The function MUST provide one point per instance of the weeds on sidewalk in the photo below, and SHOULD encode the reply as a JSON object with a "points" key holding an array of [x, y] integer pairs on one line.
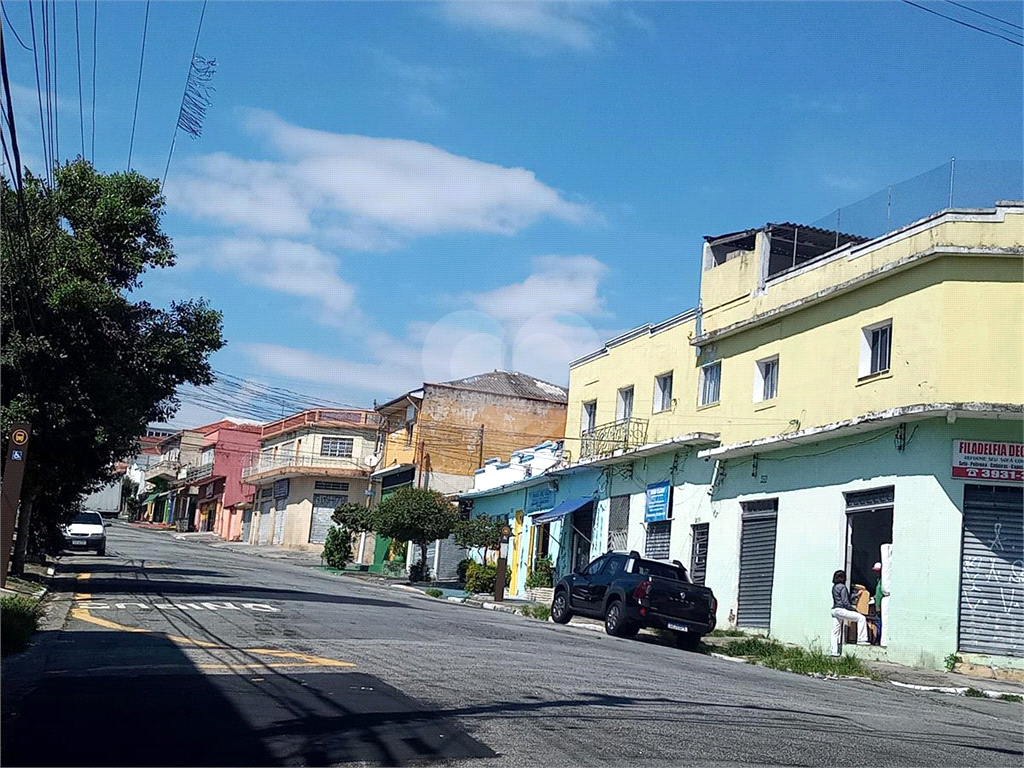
{"points": [[728, 633], [974, 693], [541, 612], [19, 620], [433, 592], [775, 655], [1011, 697]]}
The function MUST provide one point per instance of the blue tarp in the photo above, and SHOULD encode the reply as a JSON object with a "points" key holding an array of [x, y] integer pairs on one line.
{"points": [[563, 509]]}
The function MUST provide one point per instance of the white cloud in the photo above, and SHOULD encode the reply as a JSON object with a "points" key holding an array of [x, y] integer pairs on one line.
{"points": [[395, 188], [571, 25], [285, 266], [557, 284]]}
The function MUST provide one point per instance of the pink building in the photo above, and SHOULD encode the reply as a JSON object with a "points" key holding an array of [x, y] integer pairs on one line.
{"points": [[217, 475]]}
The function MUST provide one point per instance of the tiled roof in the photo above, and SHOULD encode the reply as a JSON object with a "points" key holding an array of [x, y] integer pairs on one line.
{"points": [[512, 384]]}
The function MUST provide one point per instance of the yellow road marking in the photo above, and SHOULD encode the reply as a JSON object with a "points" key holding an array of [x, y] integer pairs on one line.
{"points": [[83, 595], [186, 665], [320, 661]]}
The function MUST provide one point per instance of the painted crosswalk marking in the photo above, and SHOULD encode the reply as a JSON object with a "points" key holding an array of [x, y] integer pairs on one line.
{"points": [[94, 605]]}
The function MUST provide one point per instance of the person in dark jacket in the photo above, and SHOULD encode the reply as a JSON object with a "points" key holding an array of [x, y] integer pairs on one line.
{"points": [[842, 611]]}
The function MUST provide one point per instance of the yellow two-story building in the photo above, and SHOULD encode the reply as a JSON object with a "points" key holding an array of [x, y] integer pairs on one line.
{"points": [[832, 403]]}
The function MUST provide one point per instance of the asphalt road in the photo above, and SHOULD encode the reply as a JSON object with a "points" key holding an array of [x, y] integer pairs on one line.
{"points": [[177, 653]]}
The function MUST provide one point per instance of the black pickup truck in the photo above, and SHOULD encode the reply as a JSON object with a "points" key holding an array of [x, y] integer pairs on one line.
{"points": [[630, 592]]}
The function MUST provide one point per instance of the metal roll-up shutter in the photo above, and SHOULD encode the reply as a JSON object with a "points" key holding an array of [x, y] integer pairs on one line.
{"points": [[618, 522], [757, 564], [324, 505], [992, 575], [659, 537], [246, 524], [699, 556], [279, 518], [263, 534], [451, 554]]}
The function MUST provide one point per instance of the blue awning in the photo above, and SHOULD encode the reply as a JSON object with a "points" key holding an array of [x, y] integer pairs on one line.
{"points": [[557, 513]]}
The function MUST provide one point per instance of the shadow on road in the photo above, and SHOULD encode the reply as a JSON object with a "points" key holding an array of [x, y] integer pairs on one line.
{"points": [[69, 566], [159, 709]]}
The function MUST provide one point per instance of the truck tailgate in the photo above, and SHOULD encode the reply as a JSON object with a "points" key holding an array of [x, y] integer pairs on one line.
{"points": [[680, 600]]}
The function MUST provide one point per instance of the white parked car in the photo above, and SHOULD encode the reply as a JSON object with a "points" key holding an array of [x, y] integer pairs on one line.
{"points": [[86, 531]]}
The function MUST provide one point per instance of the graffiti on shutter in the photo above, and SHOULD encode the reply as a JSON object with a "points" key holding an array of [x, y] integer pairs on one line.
{"points": [[324, 505], [992, 575], [757, 563], [659, 536], [618, 522]]}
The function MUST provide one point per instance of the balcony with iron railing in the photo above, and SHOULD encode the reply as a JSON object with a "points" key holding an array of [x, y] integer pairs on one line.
{"points": [[297, 464], [606, 439], [165, 468], [201, 472]]}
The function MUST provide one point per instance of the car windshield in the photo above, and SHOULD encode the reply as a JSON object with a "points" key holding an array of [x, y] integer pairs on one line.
{"points": [[88, 518]]}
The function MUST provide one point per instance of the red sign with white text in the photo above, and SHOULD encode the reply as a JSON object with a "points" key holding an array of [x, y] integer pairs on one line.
{"points": [[983, 460]]}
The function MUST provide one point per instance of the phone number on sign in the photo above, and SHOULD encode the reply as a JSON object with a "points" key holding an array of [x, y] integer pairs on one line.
{"points": [[990, 474]]}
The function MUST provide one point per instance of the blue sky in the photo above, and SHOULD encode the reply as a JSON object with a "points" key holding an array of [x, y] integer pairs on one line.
{"points": [[387, 193]]}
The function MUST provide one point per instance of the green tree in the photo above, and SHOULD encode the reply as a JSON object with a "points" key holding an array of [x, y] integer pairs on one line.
{"points": [[354, 517], [418, 515], [81, 361], [480, 532]]}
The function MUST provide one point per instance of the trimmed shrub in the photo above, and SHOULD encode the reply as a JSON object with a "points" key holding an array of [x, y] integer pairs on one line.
{"points": [[19, 620], [542, 575], [462, 567], [338, 547], [480, 578], [419, 571], [432, 592]]}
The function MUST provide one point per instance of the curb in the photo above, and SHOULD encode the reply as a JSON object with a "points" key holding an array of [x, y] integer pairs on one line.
{"points": [[951, 690]]}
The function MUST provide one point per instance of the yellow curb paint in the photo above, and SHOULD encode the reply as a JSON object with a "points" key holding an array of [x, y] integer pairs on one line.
{"points": [[83, 595], [307, 660]]}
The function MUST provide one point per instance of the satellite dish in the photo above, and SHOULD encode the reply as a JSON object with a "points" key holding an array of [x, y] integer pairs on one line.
{"points": [[373, 461]]}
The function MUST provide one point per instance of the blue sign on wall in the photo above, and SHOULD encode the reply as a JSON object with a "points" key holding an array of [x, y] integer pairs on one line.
{"points": [[658, 497], [539, 498], [280, 488]]}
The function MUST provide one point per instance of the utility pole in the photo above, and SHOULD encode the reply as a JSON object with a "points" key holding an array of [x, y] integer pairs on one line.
{"points": [[17, 455], [480, 462]]}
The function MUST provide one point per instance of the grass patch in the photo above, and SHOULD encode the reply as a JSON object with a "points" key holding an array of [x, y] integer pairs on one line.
{"points": [[974, 693], [727, 633], [775, 655], [1011, 697], [433, 592], [19, 620], [541, 612]]}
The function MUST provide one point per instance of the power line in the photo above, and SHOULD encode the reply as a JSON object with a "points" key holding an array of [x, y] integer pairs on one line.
{"points": [[188, 76], [964, 23], [56, 86], [11, 27], [95, 24], [138, 88], [78, 55], [39, 86], [986, 15]]}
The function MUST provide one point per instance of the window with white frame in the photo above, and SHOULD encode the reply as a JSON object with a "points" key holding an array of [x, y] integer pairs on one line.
{"points": [[624, 404], [336, 446], [589, 419], [710, 383], [766, 379], [875, 348], [663, 392]]}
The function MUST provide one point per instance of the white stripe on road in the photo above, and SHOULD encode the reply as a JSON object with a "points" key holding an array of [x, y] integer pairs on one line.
{"points": [[203, 606]]}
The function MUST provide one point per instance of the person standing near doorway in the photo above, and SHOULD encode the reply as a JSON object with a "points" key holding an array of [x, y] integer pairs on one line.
{"points": [[879, 596], [842, 611]]}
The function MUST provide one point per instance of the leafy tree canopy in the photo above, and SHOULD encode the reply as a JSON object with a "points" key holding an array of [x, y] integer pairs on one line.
{"points": [[353, 517], [418, 515], [81, 361], [484, 532]]}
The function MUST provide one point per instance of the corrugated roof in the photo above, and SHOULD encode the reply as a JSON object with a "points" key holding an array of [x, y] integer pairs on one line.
{"points": [[512, 384]]}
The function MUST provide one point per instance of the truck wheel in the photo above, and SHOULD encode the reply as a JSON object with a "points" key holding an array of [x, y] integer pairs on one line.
{"points": [[560, 613], [688, 641], [614, 624]]}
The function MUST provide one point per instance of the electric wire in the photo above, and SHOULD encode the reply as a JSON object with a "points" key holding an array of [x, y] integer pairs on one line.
{"points": [[56, 86], [174, 136], [964, 23], [78, 56], [138, 88], [11, 27], [95, 26], [39, 85], [986, 15]]}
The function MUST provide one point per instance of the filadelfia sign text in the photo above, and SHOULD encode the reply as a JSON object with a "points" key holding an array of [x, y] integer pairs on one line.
{"points": [[983, 460]]}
